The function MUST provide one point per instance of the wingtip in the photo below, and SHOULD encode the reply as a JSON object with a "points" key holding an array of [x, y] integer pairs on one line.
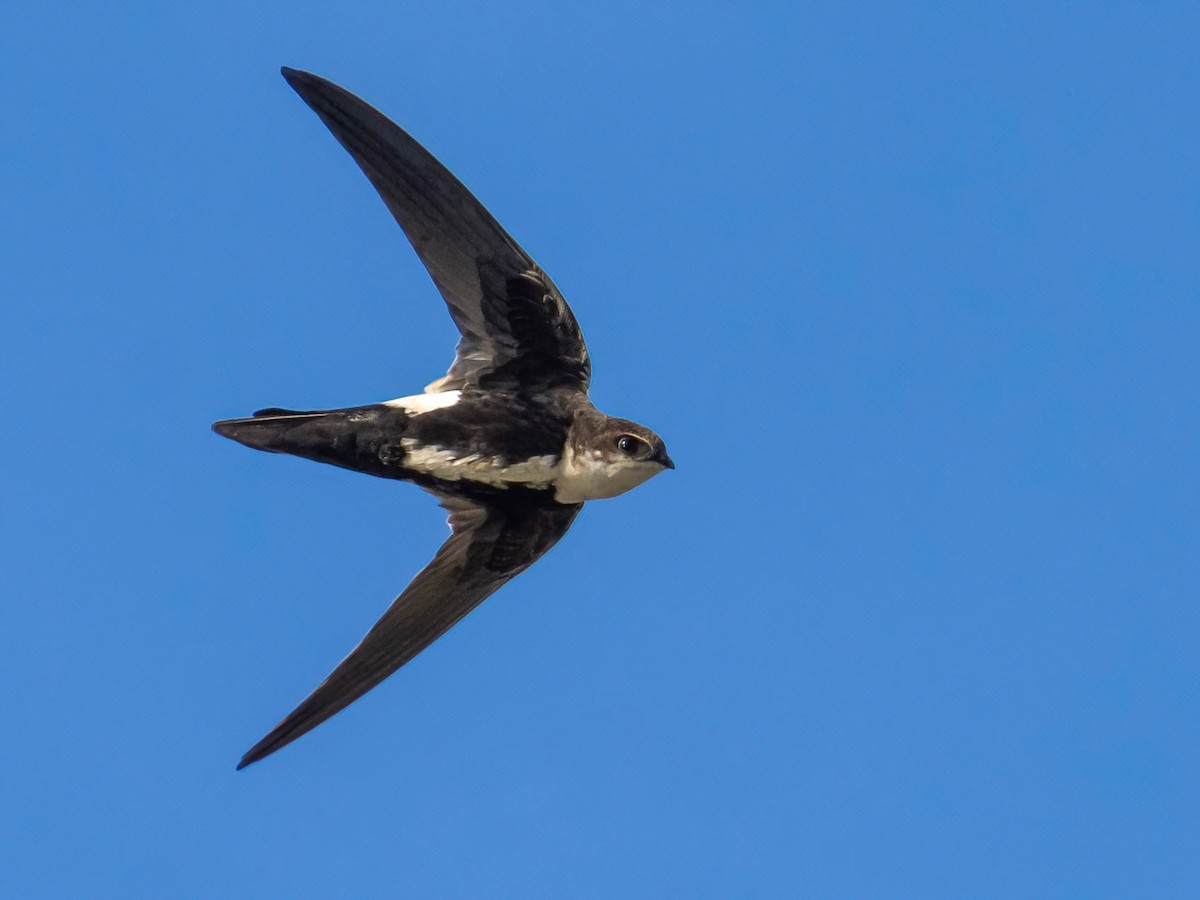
{"points": [[298, 78], [254, 754]]}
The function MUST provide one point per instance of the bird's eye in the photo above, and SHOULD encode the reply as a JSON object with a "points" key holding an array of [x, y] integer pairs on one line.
{"points": [[628, 444]]}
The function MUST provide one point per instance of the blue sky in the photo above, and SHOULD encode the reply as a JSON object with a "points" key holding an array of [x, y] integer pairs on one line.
{"points": [[910, 289]]}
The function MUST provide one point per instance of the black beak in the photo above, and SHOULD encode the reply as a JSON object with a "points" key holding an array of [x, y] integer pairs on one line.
{"points": [[664, 460]]}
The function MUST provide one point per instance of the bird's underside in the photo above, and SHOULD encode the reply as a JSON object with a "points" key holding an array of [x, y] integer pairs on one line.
{"points": [[507, 440]]}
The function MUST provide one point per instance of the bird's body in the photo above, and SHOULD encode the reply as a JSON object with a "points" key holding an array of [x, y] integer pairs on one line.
{"points": [[469, 443], [507, 440]]}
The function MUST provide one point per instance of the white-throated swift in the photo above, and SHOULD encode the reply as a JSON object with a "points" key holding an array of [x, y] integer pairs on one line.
{"points": [[508, 440]]}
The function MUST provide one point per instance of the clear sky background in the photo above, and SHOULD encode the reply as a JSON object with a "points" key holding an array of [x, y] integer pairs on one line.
{"points": [[910, 289]]}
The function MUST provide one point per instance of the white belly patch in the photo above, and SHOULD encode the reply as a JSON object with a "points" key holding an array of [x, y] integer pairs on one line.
{"points": [[537, 471]]}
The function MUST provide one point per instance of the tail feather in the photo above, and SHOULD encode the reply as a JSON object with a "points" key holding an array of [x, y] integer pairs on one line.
{"points": [[276, 430], [273, 411], [361, 438]]}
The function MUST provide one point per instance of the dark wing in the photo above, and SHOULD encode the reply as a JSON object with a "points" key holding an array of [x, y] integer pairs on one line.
{"points": [[488, 547], [517, 329]]}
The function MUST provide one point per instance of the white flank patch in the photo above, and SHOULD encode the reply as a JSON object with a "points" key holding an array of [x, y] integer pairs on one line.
{"points": [[444, 464], [588, 476], [423, 403]]}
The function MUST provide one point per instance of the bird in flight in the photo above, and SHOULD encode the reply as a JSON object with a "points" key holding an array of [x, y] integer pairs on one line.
{"points": [[507, 440]]}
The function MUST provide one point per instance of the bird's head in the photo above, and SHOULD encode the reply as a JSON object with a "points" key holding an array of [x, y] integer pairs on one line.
{"points": [[626, 443], [610, 456]]}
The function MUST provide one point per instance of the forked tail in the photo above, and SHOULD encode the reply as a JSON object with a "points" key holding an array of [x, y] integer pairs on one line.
{"points": [[361, 438]]}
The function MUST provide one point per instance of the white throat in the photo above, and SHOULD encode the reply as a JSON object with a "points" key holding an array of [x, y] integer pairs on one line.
{"points": [[586, 475]]}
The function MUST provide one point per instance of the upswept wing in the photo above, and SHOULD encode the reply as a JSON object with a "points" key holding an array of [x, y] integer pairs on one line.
{"points": [[517, 330], [488, 546]]}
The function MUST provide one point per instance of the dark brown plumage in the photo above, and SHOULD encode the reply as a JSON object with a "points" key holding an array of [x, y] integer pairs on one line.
{"points": [[507, 439]]}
